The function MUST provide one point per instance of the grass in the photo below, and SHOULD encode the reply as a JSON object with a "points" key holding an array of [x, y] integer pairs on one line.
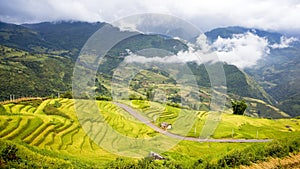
{"points": [[61, 139]]}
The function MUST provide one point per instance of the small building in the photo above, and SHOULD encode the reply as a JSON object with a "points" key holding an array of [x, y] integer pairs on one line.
{"points": [[156, 156], [165, 125]]}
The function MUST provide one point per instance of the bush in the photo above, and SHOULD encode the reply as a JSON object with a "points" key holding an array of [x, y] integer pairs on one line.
{"points": [[277, 148], [172, 104], [238, 107], [121, 163], [67, 95], [9, 153], [135, 97], [236, 158]]}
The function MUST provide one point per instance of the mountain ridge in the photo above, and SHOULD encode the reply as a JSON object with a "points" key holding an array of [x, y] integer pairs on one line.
{"points": [[53, 42]]}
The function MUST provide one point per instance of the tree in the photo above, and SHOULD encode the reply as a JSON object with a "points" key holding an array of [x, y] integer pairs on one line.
{"points": [[67, 95], [238, 107]]}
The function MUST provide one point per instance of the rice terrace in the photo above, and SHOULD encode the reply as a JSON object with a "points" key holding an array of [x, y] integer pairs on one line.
{"points": [[149, 84], [49, 130]]}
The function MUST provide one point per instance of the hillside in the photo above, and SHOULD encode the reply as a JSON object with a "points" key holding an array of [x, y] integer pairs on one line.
{"points": [[278, 71], [38, 47], [24, 74], [50, 130], [280, 77], [48, 37]]}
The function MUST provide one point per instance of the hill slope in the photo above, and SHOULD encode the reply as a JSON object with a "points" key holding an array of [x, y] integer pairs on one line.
{"points": [[24, 74], [49, 129], [278, 71], [64, 40]]}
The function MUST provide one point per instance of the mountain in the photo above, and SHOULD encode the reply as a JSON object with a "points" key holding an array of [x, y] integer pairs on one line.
{"points": [[44, 53], [48, 37], [63, 35], [20, 37], [41, 58], [30, 75], [228, 32], [279, 75], [278, 72]]}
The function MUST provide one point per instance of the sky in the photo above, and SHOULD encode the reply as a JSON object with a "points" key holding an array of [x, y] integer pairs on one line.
{"points": [[277, 15]]}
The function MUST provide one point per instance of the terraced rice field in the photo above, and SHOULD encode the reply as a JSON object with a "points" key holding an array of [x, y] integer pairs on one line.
{"points": [[33, 126], [53, 125], [58, 129], [229, 126]]}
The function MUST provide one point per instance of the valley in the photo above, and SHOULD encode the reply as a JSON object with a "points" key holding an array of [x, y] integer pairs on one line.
{"points": [[126, 111]]}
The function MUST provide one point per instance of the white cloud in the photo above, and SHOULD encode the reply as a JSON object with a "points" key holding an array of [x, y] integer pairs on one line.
{"points": [[191, 55], [284, 42], [242, 50], [181, 57]]}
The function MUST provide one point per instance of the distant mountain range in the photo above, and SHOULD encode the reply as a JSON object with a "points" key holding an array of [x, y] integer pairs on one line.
{"points": [[38, 59], [278, 72]]}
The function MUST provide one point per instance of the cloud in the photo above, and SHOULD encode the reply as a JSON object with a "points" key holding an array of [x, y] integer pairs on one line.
{"points": [[180, 57], [242, 50], [268, 14], [284, 42]]}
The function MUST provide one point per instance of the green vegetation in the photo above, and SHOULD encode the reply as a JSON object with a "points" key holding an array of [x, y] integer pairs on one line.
{"points": [[278, 148], [26, 74], [44, 53], [36, 60], [52, 132], [238, 107]]}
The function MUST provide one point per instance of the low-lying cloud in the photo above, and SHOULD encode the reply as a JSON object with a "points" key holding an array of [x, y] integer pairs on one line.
{"points": [[242, 50], [284, 42]]}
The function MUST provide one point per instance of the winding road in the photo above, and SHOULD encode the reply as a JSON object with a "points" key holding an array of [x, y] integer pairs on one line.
{"points": [[158, 129]]}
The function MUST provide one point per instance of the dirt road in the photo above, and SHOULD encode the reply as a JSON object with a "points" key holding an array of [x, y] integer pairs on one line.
{"points": [[158, 129]]}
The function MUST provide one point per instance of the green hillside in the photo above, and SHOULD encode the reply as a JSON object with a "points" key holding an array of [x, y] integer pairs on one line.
{"points": [[24, 74], [280, 77], [30, 51], [49, 129], [42, 57], [278, 72]]}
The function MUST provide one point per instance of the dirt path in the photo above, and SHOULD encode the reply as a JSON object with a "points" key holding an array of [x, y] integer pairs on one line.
{"points": [[154, 127]]}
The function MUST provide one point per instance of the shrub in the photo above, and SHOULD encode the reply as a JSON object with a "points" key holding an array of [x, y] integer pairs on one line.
{"points": [[277, 148], [121, 163], [105, 98], [67, 95], [238, 107], [9, 153]]}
